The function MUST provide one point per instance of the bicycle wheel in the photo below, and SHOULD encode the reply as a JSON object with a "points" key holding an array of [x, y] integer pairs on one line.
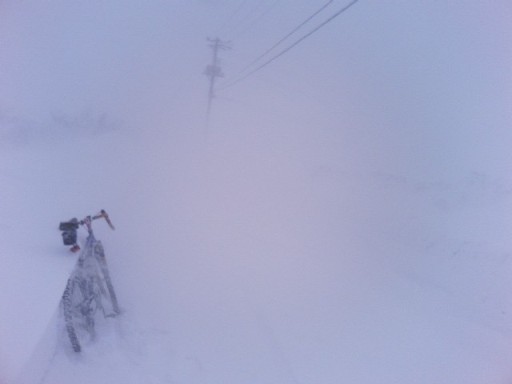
{"points": [[99, 254], [88, 291], [81, 301], [69, 315]]}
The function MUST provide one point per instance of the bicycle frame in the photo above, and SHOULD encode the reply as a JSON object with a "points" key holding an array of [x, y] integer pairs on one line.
{"points": [[89, 289]]}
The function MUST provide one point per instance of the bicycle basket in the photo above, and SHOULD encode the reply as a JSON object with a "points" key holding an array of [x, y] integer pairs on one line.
{"points": [[69, 225], [68, 229]]}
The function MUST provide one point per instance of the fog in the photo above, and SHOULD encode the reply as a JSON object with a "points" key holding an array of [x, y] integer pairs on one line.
{"points": [[341, 214], [426, 85]]}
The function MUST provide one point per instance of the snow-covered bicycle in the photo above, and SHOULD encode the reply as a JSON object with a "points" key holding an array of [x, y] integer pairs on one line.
{"points": [[89, 291]]}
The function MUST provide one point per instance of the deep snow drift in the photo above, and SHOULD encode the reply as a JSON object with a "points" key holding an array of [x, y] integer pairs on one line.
{"points": [[254, 263]]}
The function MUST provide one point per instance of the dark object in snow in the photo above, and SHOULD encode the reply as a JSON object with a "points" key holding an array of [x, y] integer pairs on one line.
{"points": [[75, 248], [68, 229]]}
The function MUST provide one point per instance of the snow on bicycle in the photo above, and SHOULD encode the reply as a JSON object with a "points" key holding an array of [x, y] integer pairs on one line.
{"points": [[89, 292]]}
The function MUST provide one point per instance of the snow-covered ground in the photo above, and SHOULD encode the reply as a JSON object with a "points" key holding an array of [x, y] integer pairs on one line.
{"points": [[235, 264], [345, 217]]}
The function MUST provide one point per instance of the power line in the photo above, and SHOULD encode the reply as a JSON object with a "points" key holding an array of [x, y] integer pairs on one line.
{"points": [[287, 36], [345, 8]]}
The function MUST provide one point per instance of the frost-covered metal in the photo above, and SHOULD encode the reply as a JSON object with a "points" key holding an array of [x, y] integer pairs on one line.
{"points": [[89, 292]]}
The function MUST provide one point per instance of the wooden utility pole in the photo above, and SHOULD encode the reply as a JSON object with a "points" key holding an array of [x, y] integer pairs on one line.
{"points": [[213, 70]]}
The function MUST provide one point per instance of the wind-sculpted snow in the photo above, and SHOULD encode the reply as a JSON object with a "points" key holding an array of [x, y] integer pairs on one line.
{"points": [[246, 268]]}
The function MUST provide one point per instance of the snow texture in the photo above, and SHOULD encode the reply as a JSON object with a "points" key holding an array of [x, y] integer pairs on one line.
{"points": [[353, 226]]}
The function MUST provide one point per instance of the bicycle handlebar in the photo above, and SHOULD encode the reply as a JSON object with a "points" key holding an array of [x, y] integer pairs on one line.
{"points": [[103, 214]]}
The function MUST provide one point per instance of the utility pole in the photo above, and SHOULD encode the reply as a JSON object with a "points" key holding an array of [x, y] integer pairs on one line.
{"points": [[213, 70]]}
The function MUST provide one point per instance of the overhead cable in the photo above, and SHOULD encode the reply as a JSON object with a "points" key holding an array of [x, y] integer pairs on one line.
{"points": [[275, 57], [287, 36]]}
